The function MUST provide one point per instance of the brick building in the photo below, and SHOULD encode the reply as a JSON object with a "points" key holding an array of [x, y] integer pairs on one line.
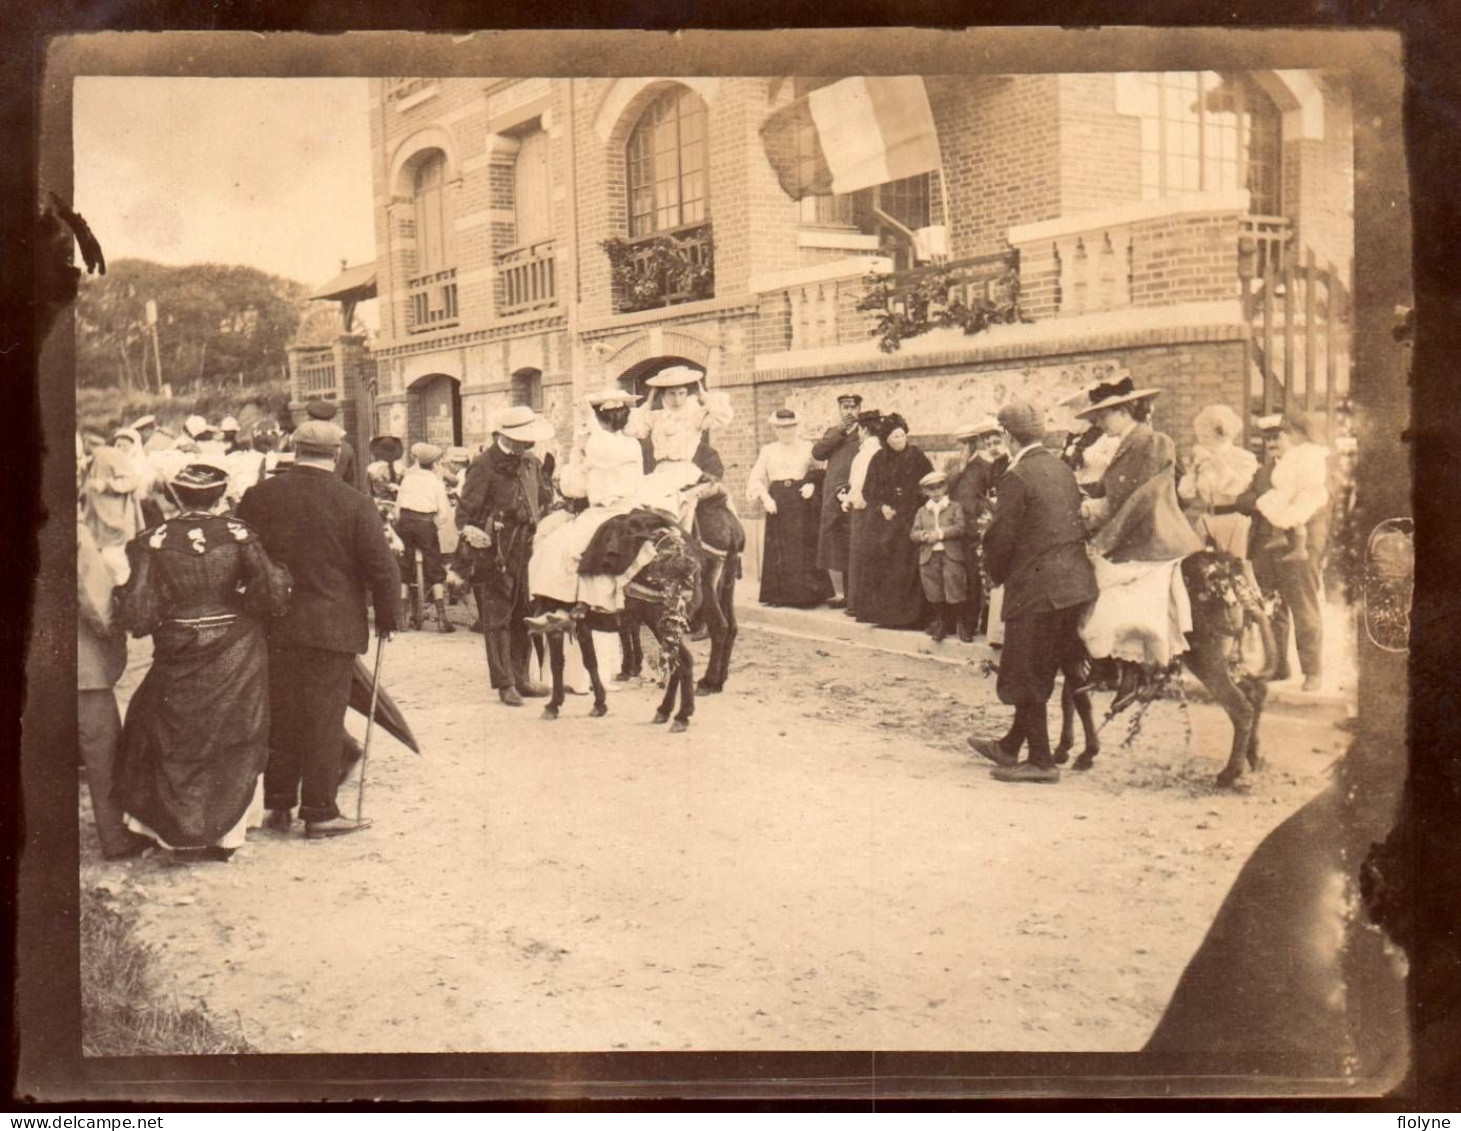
{"points": [[1194, 228]]}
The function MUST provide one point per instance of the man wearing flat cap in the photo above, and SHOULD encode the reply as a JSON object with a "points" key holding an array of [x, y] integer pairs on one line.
{"points": [[837, 448], [345, 466], [331, 539], [1035, 548], [501, 499]]}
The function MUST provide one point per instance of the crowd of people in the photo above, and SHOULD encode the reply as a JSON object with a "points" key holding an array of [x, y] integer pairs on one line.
{"points": [[256, 586], [862, 521]]}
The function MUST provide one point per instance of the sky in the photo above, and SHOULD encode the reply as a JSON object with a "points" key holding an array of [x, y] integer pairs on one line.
{"points": [[271, 173]]}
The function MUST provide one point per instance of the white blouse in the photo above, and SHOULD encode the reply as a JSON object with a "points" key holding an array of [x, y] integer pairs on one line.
{"points": [[778, 462], [857, 475], [609, 472], [675, 434]]}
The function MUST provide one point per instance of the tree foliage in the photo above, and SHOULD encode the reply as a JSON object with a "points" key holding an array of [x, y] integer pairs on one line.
{"points": [[216, 324]]}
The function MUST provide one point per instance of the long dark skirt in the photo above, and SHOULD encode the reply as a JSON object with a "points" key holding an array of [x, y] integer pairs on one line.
{"points": [[861, 558], [834, 536], [892, 592], [789, 574], [196, 736]]}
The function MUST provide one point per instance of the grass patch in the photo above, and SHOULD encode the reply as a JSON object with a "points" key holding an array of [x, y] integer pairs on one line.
{"points": [[121, 1012]]}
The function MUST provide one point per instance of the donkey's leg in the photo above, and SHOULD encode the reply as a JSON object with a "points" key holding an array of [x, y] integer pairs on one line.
{"points": [[684, 675], [723, 597], [1208, 661], [1061, 754], [1256, 689], [555, 662], [591, 665], [1088, 725], [715, 624]]}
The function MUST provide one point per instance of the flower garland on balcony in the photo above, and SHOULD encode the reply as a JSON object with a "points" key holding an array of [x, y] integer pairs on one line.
{"points": [[646, 273], [906, 310]]}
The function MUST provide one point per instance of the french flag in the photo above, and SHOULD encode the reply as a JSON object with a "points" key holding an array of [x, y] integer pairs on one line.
{"points": [[868, 131]]}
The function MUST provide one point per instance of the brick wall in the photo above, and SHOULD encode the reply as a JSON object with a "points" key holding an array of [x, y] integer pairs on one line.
{"points": [[1192, 258], [1000, 141], [1319, 183], [1100, 150]]}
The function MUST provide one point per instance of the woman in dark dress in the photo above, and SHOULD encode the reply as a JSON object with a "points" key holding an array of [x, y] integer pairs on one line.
{"points": [[891, 595], [196, 737], [785, 483]]}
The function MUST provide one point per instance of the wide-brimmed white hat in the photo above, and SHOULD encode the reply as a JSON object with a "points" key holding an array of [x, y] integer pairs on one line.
{"points": [[195, 426], [228, 424], [986, 427], [1273, 422], [147, 421], [675, 376], [612, 395], [784, 417], [523, 424], [1112, 394]]}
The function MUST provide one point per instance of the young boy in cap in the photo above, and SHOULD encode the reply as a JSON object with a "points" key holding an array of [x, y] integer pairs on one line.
{"points": [[422, 507], [939, 528]]}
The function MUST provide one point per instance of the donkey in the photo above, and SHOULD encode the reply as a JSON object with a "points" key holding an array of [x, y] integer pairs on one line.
{"points": [[686, 575], [1223, 602]]}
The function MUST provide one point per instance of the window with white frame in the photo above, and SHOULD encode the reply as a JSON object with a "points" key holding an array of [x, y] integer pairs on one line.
{"points": [[667, 161], [1202, 131]]}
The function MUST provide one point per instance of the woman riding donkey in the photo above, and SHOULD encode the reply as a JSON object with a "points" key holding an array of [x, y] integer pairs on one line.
{"points": [[1138, 540], [607, 472], [675, 428]]}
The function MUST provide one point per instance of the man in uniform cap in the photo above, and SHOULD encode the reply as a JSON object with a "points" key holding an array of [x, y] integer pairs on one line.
{"points": [[1035, 548], [501, 499], [331, 539], [345, 466], [838, 448], [971, 483]]}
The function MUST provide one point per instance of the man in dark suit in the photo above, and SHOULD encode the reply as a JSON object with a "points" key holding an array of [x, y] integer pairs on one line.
{"points": [[1035, 548], [500, 502], [838, 448], [330, 538], [971, 485]]}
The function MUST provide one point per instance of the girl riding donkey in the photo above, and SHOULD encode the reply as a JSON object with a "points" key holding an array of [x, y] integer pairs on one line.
{"points": [[581, 567]]}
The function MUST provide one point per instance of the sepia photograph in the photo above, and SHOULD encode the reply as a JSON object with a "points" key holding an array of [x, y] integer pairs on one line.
{"points": [[822, 561]]}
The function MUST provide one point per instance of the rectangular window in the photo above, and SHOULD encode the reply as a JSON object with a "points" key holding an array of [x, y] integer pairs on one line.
{"points": [[532, 190]]}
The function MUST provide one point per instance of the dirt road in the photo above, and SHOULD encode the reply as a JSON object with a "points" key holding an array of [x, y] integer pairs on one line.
{"points": [[815, 864]]}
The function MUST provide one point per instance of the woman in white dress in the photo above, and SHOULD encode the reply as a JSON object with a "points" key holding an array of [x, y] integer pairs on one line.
{"points": [[1138, 540], [607, 470], [1219, 472], [782, 481], [674, 427]]}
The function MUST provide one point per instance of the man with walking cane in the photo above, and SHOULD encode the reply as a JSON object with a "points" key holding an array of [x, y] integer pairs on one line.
{"points": [[331, 539], [501, 499]]}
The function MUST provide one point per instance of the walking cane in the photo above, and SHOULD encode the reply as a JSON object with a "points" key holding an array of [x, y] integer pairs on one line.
{"points": [[380, 648]]}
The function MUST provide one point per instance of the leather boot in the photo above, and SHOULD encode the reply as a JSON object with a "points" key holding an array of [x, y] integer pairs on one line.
{"points": [[966, 626], [442, 624], [937, 629]]}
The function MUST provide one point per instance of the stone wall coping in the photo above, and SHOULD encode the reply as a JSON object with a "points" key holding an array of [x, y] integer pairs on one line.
{"points": [[1094, 333], [1217, 203], [534, 322], [851, 267], [684, 312]]}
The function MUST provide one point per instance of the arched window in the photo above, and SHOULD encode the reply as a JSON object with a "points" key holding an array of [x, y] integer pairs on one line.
{"points": [[667, 160], [1205, 132], [433, 223]]}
